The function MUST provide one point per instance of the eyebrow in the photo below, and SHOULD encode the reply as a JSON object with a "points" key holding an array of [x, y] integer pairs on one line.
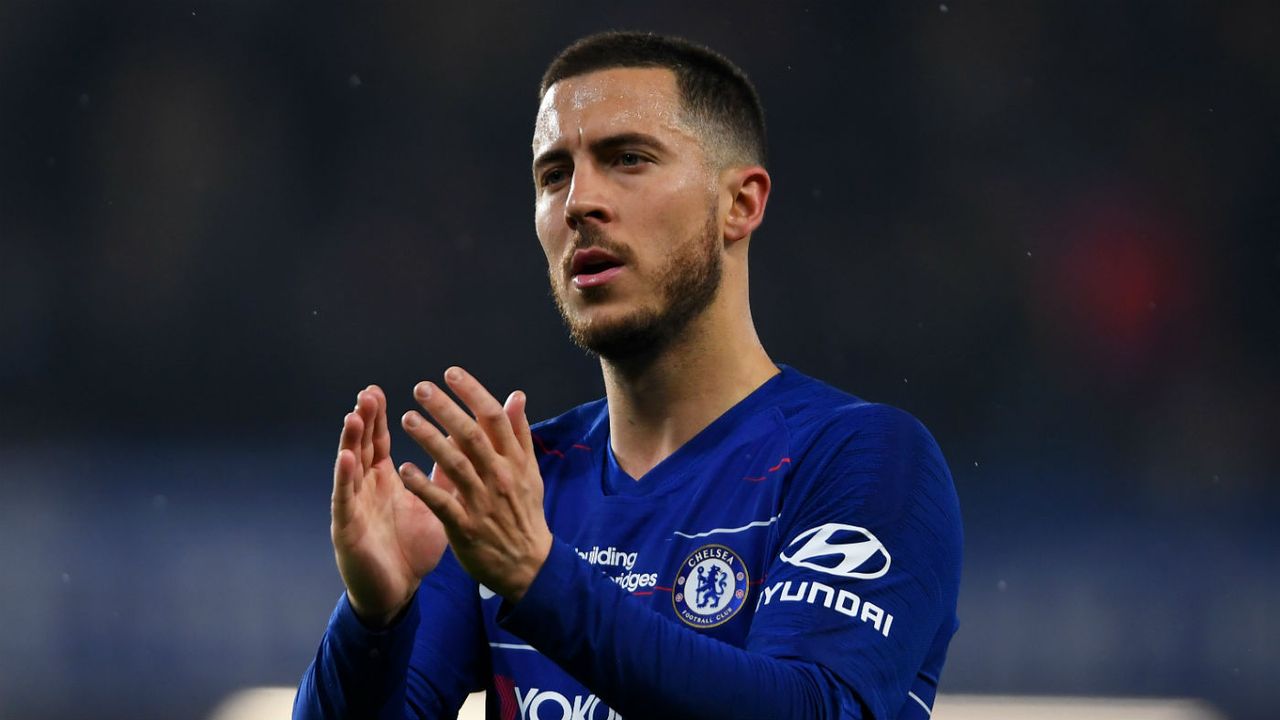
{"points": [[603, 146]]}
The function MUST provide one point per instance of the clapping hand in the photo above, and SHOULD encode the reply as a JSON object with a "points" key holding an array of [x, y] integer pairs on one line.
{"points": [[384, 537], [486, 488]]}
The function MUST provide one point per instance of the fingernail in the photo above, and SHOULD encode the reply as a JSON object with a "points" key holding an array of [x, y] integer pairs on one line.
{"points": [[410, 419], [422, 390], [453, 374]]}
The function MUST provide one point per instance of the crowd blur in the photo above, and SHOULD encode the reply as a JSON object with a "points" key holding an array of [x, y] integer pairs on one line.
{"points": [[1049, 230]]}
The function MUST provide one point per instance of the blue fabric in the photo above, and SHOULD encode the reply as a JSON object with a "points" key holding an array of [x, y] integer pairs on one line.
{"points": [[798, 558]]}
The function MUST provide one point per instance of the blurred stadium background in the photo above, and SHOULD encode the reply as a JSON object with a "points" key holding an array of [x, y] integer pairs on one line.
{"points": [[1050, 230]]}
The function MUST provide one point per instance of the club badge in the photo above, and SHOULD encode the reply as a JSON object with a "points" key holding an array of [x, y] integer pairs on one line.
{"points": [[711, 586]]}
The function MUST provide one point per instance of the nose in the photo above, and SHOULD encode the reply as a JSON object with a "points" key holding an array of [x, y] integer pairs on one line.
{"points": [[587, 198]]}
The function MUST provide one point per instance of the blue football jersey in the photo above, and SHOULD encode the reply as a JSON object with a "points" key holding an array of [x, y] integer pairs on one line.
{"points": [[799, 557]]}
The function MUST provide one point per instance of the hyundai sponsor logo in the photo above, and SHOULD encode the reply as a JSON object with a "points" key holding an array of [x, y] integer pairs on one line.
{"points": [[846, 551]]}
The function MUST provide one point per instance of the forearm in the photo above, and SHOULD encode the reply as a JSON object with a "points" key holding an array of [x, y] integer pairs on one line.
{"points": [[644, 665], [358, 672]]}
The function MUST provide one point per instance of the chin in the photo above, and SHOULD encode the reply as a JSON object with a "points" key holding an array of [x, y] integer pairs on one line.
{"points": [[600, 311], [622, 337]]}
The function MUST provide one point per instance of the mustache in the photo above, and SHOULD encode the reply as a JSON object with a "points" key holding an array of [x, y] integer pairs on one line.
{"points": [[590, 236]]}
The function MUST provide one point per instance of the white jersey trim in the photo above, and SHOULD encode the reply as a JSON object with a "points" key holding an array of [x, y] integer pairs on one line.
{"points": [[748, 526], [928, 710]]}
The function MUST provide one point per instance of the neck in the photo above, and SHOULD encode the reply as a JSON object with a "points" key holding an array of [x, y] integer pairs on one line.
{"points": [[659, 403]]}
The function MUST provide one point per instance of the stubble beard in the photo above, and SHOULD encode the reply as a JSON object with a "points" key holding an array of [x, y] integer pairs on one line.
{"points": [[688, 282]]}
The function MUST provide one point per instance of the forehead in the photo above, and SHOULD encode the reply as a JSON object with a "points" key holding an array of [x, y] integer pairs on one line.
{"points": [[606, 102]]}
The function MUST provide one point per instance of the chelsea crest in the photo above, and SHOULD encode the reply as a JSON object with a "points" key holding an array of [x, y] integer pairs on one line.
{"points": [[711, 586]]}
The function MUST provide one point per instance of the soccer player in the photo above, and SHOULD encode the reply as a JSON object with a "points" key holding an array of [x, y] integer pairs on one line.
{"points": [[719, 537]]}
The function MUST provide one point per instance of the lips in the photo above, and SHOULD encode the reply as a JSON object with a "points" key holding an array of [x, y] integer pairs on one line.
{"points": [[593, 267]]}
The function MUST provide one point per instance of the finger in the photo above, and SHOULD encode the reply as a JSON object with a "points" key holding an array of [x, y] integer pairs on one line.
{"points": [[349, 439], [381, 435], [441, 478], [460, 426], [515, 407], [447, 455], [367, 406], [346, 477], [436, 477], [488, 412], [441, 501], [349, 443]]}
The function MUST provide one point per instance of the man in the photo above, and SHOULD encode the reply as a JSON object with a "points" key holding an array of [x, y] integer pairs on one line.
{"points": [[719, 537]]}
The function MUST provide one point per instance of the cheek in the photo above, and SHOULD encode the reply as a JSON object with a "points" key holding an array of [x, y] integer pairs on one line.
{"points": [[552, 241], [683, 195], [684, 216]]}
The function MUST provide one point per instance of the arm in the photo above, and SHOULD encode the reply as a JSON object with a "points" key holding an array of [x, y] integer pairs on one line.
{"points": [[371, 661], [645, 665], [419, 666], [869, 571], [827, 640]]}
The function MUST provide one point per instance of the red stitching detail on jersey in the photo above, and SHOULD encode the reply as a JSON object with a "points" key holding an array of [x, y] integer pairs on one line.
{"points": [[546, 450], [774, 469], [580, 446]]}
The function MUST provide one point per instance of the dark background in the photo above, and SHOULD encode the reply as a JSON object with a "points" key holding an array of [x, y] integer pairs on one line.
{"points": [[1049, 230]]}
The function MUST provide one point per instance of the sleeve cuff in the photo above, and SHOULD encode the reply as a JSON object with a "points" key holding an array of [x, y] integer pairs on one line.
{"points": [[375, 645], [545, 598]]}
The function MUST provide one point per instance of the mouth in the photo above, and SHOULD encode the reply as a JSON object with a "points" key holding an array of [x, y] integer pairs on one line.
{"points": [[593, 267]]}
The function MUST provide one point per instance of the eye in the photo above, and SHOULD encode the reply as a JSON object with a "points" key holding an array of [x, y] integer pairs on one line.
{"points": [[630, 159], [553, 176]]}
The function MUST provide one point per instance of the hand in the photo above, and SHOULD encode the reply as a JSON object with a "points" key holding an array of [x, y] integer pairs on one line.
{"points": [[384, 538], [495, 520]]}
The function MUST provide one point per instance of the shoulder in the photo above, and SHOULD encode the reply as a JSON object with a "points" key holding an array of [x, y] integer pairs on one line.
{"points": [[821, 417], [846, 447], [574, 428], [572, 419]]}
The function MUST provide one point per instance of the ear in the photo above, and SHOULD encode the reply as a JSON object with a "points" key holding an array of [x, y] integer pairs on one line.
{"points": [[750, 187]]}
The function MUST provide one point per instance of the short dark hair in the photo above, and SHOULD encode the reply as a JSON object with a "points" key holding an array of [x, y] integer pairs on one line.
{"points": [[712, 89]]}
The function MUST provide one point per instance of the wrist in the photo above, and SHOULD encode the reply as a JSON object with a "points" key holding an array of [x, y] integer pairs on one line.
{"points": [[530, 571], [379, 619]]}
